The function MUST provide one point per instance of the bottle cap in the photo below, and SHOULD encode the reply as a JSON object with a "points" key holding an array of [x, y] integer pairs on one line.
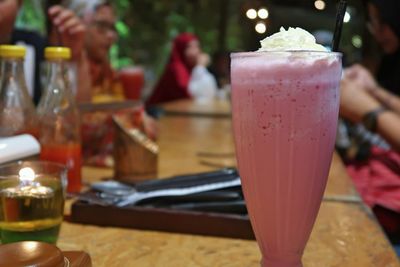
{"points": [[12, 51], [57, 52]]}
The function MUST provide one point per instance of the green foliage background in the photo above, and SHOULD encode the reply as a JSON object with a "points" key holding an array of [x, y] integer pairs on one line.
{"points": [[147, 27], [31, 16]]}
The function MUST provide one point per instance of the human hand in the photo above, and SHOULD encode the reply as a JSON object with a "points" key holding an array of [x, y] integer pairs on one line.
{"points": [[203, 59], [69, 29], [361, 77], [354, 101]]}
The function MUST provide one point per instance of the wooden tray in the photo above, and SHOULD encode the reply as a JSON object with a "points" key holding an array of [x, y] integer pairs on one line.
{"points": [[176, 221]]}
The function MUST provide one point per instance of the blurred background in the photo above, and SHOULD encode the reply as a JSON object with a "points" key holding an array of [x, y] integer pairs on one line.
{"points": [[146, 27]]}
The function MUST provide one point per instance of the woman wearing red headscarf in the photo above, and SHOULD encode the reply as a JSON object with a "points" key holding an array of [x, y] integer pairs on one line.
{"points": [[185, 75]]}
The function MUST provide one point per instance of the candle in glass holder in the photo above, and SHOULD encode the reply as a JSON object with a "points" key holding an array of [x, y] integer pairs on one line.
{"points": [[31, 206]]}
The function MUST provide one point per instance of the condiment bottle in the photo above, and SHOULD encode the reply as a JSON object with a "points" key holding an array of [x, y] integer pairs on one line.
{"points": [[17, 111], [59, 118]]}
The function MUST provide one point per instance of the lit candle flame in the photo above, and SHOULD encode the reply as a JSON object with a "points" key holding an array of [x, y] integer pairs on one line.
{"points": [[26, 174]]}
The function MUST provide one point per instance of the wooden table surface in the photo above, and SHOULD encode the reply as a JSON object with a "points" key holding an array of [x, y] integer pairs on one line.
{"points": [[345, 233], [199, 108]]}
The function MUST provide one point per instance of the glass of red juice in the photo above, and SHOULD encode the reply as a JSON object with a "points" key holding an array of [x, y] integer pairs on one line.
{"points": [[132, 80]]}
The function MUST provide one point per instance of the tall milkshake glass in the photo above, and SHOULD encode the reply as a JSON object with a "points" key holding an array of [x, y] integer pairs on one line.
{"points": [[285, 111]]}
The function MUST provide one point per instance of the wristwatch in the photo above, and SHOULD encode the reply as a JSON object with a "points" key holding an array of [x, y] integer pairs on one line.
{"points": [[370, 119]]}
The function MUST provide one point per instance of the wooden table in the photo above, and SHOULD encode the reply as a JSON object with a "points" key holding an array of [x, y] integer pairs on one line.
{"points": [[200, 108], [345, 233]]}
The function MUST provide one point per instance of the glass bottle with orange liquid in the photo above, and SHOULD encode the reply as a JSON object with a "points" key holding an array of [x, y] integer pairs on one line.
{"points": [[59, 118], [17, 111]]}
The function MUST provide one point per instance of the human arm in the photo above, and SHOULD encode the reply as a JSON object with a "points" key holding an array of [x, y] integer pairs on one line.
{"points": [[355, 103], [84, 92], [69, 31], [388, 126], [387, 99], [363, 79]]}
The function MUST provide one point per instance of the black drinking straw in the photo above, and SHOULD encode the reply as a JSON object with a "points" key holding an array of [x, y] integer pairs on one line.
{"points": [[339, 25]]}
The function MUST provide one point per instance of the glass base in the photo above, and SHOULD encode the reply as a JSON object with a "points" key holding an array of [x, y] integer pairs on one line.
{"points": [[280, 263]]}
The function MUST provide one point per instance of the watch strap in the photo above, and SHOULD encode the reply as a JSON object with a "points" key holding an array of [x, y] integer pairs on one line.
{"points": [[370, 119]]}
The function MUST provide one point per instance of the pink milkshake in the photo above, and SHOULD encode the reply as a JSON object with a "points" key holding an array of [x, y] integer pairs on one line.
{"points": [[285, 111]]}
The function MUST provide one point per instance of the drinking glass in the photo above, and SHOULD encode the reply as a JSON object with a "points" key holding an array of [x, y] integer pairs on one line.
{"points": [[31, 201], [285, 112]]}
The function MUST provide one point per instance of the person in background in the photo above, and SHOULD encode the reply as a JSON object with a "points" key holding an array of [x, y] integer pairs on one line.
{"points": [[66, 29], [375, 171], [384, 25], [66, 23], [186, 75], [105, 84], [99, 18], [372, 106]]}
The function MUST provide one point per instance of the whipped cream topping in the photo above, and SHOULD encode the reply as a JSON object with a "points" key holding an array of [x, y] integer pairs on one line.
{"points": [[293, 39]]}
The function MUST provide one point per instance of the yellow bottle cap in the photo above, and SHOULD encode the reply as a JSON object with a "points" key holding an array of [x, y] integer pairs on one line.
{"points": [[12, 51], [57, 52]]}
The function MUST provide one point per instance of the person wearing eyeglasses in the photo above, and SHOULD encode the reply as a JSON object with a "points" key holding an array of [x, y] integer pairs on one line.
{"points": [[99, 18], [371, 106], [373, 103], [384, 25]]}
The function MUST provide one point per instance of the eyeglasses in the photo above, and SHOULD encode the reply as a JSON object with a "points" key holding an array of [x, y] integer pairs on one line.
{"points": [[104, 26]]}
